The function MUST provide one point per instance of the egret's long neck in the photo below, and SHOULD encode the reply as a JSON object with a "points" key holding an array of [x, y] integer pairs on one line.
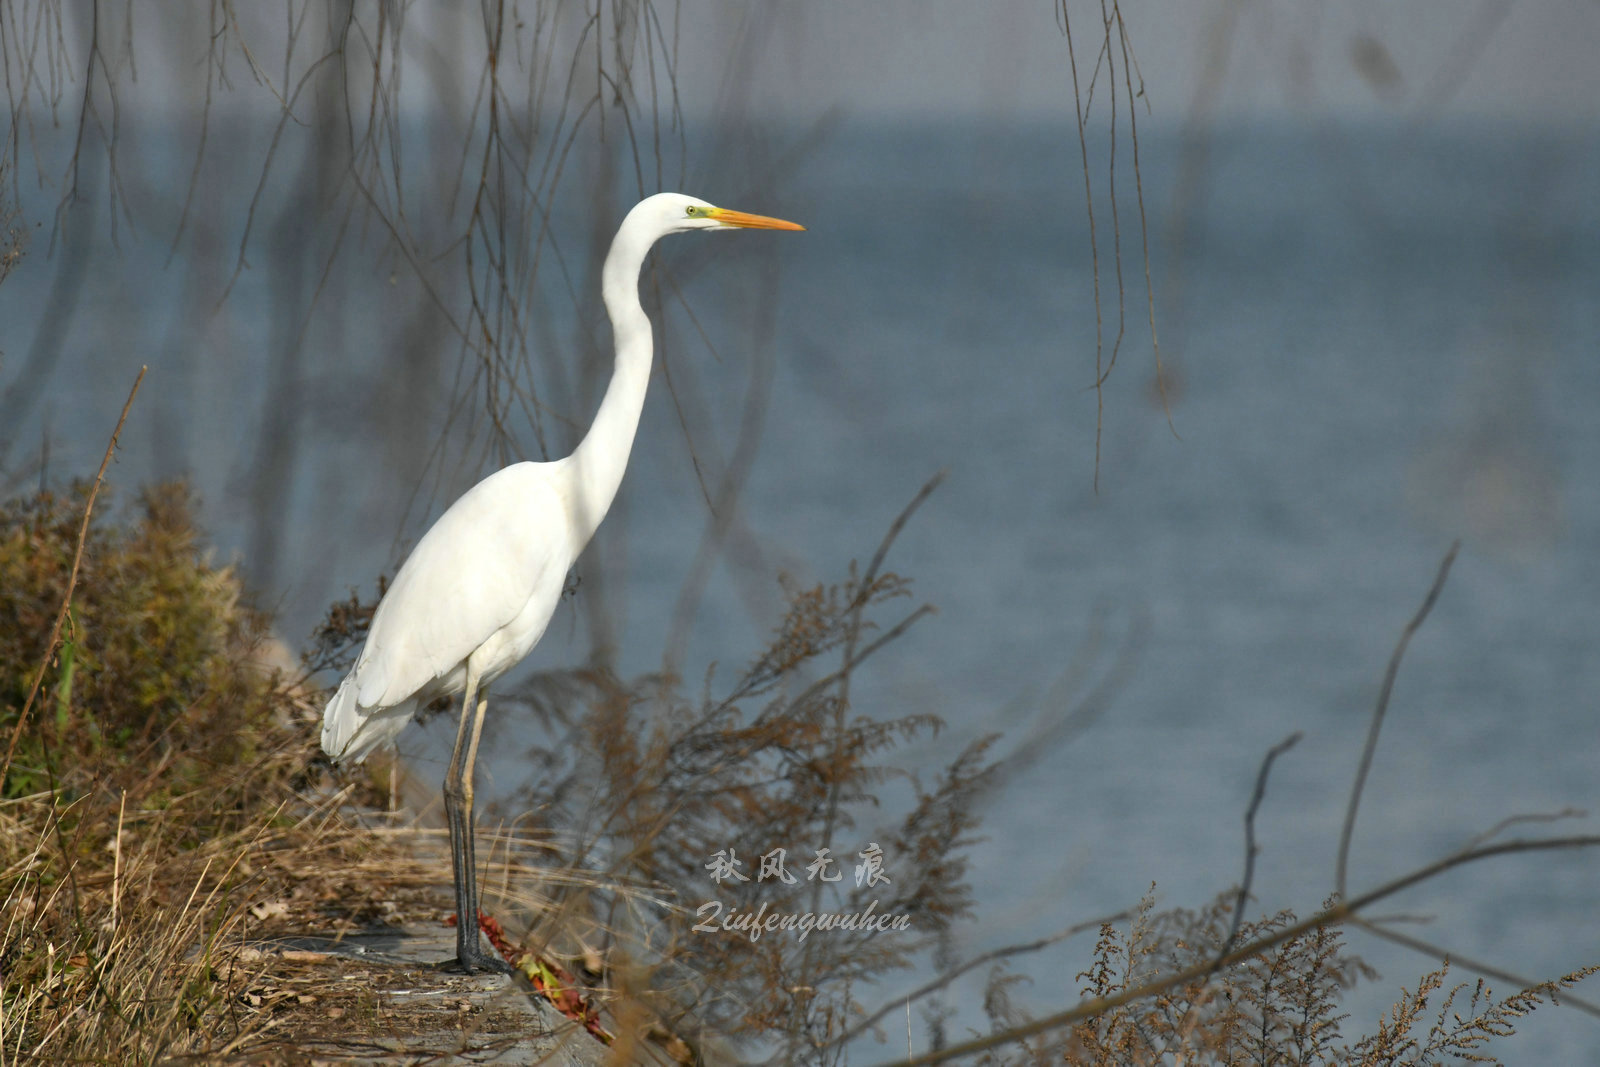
{"points": [[598, 462]]}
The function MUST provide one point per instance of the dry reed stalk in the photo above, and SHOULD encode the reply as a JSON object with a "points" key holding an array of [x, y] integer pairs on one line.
{"points": [[72, 582]]}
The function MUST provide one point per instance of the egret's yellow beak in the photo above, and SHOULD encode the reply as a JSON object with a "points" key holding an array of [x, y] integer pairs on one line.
{"points": [[751, 222]]}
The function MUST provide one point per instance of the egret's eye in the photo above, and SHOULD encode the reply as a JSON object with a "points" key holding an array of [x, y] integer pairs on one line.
{"points": [[694, 211]]}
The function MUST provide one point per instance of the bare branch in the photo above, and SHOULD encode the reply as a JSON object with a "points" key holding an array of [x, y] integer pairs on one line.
{"points": [[1518, 820], [1379, 711], [1250, 848], [1079, 110], [953, 973], [1487, 970]]}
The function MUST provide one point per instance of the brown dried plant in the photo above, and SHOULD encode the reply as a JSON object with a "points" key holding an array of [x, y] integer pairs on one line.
{"points": [[158, 791], [1277, 1009], [1454, 1034], [160, 661], [644, 782]]}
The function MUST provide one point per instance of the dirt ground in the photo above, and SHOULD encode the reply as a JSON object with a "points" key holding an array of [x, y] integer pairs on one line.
{"points": [[378, 997]]}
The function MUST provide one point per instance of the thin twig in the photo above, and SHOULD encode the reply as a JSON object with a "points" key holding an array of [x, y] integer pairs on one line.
{"points": [[1380, 709], [72, 583], [1518, 820], [1063, 727], [1130, 62], [977, 961], [895, 527], [1250, 848], [1094, 249], [850, 659], [1488, 971]]}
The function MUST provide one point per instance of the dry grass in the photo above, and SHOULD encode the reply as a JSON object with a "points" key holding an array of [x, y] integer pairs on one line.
{"points": [[662, 778], [159, 792]]}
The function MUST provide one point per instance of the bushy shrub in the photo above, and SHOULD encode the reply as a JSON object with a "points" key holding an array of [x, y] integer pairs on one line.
{"points": [[159, 676]]}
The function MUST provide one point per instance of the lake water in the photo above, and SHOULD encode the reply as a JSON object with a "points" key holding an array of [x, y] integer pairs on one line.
{"points": [[1380, 339]]}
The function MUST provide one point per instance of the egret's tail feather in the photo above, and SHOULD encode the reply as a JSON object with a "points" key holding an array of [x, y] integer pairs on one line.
{"points": [[350, 732]]}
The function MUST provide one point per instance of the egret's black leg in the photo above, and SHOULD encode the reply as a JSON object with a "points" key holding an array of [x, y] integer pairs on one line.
{"points": [[454, 799], [470, 956]]}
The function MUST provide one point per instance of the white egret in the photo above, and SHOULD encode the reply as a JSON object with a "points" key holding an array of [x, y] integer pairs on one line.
{"points": [[476, 593]]}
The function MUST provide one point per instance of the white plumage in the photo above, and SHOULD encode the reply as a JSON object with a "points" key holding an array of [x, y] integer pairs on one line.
{"points": [[482, 583]]}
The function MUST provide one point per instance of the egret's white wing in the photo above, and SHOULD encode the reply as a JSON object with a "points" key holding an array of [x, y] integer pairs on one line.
{"points": [[471, 574]]}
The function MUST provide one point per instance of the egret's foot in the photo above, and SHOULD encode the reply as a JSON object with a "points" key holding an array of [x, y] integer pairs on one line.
{"points": [[478, 963]]}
